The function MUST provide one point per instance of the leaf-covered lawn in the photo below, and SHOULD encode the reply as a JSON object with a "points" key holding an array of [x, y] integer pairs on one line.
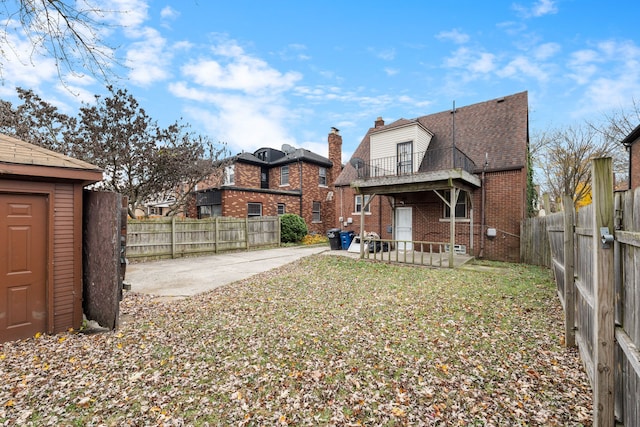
{"points": [[324, 341]]}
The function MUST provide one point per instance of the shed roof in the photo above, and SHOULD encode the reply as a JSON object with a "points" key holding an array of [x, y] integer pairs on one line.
{"points": [[21, 158]]}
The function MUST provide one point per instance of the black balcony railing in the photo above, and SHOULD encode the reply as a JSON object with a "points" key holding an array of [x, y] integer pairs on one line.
{"points": [[415, 163]]}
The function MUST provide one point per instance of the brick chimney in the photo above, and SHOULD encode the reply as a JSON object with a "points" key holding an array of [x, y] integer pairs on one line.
{"points": [[378, 123], [335, 153]]}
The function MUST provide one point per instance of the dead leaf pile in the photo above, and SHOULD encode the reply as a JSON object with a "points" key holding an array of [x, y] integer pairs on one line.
{"points": [[323, 341]]}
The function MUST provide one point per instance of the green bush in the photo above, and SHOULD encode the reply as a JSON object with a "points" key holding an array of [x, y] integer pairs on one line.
{"points": [[292, 228]]}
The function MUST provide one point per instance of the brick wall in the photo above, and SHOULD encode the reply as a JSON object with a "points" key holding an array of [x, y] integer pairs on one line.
{"points": [[235, 202], [247, 175], [635, 164], [505, 209]]}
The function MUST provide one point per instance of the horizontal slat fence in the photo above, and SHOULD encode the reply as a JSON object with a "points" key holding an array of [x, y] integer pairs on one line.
{"points": [[177, 237], [599, 287]]}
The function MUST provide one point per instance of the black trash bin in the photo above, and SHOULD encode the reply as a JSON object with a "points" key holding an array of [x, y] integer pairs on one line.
{"points": [[334, 238]]}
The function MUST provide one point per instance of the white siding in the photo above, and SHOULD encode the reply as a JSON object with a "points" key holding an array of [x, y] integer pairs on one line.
{"points": [[383, 146]]}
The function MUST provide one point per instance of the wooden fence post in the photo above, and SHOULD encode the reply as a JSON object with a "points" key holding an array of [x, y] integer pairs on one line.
{"points": [[604, 345], [173, 237], [569, 275], [246, 232], [217, 234]]}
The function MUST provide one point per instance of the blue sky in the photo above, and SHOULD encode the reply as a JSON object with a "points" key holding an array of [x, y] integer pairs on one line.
{"points": [[264, 73]]}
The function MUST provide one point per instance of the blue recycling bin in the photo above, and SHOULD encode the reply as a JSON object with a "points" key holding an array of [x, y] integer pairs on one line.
{"points": [[346, 237]]}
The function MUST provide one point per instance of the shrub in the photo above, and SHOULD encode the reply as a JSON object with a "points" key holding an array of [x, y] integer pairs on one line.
{"points": [[292, 228]]}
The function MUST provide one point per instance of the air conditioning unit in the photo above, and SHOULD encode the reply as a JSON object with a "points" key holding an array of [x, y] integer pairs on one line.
{"points": [[457, 249]]}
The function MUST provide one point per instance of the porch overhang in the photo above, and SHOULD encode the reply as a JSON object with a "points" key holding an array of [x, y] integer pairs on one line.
{"points": [[424, 181]]}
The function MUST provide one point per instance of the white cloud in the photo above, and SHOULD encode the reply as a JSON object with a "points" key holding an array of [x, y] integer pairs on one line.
{"points": [[22, 65], [295, 51], [238, 98], [609, 73], [148, 58], [168, 12], [522, 66], [129, 14], [544, 7], [484, 64], [236, 70], [546, 51], [385, 54], [454, 35], [471, 60], [244, 123], [540, 8], [391, 71]]}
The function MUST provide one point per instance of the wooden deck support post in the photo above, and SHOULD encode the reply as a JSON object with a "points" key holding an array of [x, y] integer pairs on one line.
{"points": [[604, 345]]}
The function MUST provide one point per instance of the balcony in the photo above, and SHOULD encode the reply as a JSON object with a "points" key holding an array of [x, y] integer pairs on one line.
{"points": [[420, 168]]}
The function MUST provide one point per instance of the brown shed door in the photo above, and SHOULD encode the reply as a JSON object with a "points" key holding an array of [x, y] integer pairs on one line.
{"points": [[23, 251]]}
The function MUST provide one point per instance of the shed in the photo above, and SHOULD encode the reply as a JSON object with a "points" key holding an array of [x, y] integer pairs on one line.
{"points": [[41, 204]]}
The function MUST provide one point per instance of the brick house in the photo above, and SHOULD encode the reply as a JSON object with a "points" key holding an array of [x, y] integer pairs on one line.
{"points": [[404, 177], [633, 147], [272, 182]]}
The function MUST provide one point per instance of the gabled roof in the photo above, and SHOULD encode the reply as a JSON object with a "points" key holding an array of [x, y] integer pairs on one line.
{"points": [[497, 129], [18, 157], [632, 138]]}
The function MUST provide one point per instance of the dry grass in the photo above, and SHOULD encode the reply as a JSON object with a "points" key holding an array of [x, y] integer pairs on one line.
{"points": [[324, 341]]}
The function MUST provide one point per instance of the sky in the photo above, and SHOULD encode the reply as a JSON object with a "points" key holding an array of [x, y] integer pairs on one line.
{"points": [[254, 73]]}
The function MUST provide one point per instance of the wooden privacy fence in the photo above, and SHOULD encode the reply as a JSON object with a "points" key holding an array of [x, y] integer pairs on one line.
{"points": [[176, 237], [595, 257]]}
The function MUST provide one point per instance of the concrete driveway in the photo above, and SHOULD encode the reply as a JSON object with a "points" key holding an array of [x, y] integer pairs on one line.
{"points": [[184, 277]]}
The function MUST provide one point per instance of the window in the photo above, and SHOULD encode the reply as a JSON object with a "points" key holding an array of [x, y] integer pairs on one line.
{"points": [[284, 175], [405, 158], [322, 180], [229, 175], [461, 206], [254, 209], [358, 203], [209, 211], [316, 212], [281, 209]]}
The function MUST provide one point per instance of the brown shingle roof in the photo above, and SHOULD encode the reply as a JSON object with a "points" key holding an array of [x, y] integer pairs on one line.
{"points": [[498, 128], [15, 154]]}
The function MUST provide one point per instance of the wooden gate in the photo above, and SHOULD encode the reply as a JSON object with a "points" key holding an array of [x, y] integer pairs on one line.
{"points": [[103, 256], [596, 261]]}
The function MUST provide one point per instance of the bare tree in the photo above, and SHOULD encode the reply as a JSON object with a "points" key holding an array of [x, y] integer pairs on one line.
{"points": [[38, 122], [619, 123], [140, 159], [69, 32], [563, 156]]}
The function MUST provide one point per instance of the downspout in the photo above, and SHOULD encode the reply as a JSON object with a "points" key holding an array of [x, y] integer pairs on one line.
{"points": [[380, 217], [300, 172], [482, 186]]}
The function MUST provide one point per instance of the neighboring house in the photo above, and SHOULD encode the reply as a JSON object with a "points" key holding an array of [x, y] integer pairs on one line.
{"points": [[273, 182], [41, 242], [404, 178], [633, 147]]}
